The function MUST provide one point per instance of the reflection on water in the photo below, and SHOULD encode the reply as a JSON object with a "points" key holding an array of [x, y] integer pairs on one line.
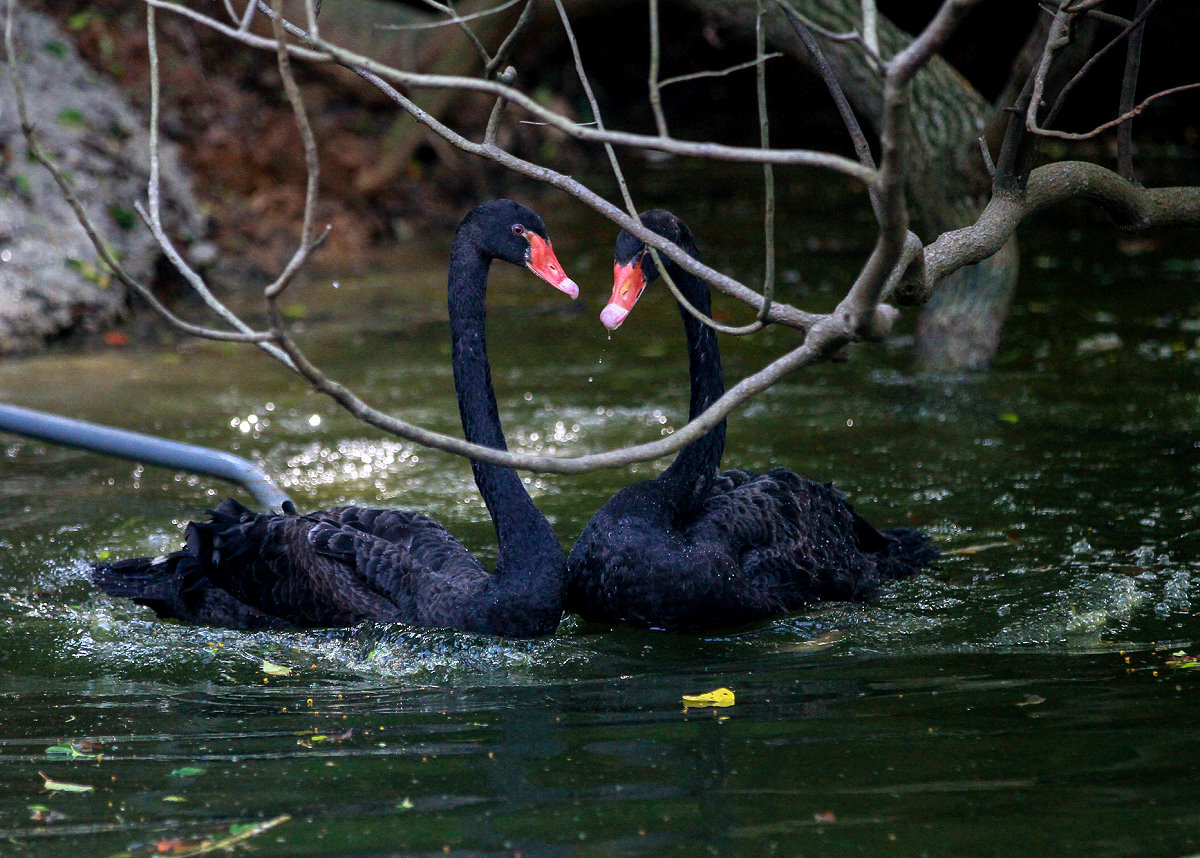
{"points": [[1036, 676]]}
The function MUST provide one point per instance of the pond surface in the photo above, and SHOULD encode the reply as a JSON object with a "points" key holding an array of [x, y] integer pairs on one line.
{"points": [[1030, 696]]}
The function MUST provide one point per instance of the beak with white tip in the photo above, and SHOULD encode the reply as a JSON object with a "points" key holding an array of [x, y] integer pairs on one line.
{"points": [[628, 284], [542, 262]]}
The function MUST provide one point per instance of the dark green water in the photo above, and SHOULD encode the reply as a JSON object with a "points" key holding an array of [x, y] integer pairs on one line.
{"points": [[1019, 700]]}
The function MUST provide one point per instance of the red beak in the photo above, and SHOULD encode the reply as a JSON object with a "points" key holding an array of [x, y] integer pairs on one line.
{"points": [[628, 284], [544, 264]]}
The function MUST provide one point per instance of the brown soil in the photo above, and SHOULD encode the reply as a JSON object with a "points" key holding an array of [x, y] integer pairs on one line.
{"points": [[223, 107]]}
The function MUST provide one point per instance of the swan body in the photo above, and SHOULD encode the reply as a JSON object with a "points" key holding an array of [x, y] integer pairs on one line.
{"points": [[697, 547], [338, 567]]}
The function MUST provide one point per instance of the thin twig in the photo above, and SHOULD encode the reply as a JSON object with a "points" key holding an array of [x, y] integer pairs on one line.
{"points": [[986, 153], [764, 132], [1108, 18], [660, 119], [857, 138], [107, 259], [506, 46], [453, 18], [247, 17], [1133, 59], [153, 217], [493, 124], [700, 75], [870, 29], [591, 97], [852, 36], [311, 10], [470, 34], [323, 51], [1058, 29], [1124, 117], [312, 166]]}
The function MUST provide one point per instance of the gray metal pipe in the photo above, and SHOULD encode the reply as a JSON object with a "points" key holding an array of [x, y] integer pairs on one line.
{"points": [[149, 449]]}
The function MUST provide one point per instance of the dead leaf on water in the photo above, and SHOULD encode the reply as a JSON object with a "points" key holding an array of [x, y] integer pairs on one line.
{"points": [[186, 772], [820, 642], [238, 834], [975, 549], [276, 669], [41, 813], [71, 751], [1182, 661], [63, 786], [717, 697]]}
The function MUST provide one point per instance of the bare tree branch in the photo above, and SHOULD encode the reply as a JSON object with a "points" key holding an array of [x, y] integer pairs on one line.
{"points": [[857, 138], [1113, 123], [322, 51], [505, 50], [1131, 206], [701, 75], [764, 140], [1133, 61], [897, 268], [101, 246], [660, 119], [1057, 39]]}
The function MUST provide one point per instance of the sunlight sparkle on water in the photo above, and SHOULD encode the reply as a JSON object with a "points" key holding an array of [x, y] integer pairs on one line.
{"points": [[250, 423]]}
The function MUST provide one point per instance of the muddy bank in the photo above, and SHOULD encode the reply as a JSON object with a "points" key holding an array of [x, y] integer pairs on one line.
{"points": [[50, 285], [232, 160]]}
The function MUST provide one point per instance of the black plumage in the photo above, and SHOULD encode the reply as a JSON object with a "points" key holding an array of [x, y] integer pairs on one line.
{"points": [[337, 567], [699, 548]]}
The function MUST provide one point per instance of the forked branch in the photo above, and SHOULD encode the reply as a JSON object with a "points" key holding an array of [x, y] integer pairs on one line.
{"points": [[898, 267]]}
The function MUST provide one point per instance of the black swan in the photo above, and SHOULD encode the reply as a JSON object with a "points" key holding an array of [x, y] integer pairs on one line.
{"points": [[699, 548], [337, 567]]}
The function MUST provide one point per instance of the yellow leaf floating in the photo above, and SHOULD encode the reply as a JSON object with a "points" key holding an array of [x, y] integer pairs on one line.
{"points": [[276, 669], [719, 697]]}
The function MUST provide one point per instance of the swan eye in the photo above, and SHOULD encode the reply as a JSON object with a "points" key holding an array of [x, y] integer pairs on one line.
{"points": [[518, 229]]}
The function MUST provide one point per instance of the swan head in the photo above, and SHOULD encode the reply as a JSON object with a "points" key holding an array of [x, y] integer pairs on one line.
{"points": [[634, 268], [503, 229]]}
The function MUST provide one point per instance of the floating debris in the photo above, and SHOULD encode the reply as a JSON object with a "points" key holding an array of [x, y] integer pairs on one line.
{"points": [[717, 697]]}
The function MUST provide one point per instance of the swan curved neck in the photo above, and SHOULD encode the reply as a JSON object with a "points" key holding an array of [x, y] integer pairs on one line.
{"points": [[694, 468], [520, 526]]}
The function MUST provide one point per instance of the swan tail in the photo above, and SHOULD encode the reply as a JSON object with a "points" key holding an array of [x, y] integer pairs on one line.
{"points": [[158, 583], [162, 582], [177, 585], [151, 578]]}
